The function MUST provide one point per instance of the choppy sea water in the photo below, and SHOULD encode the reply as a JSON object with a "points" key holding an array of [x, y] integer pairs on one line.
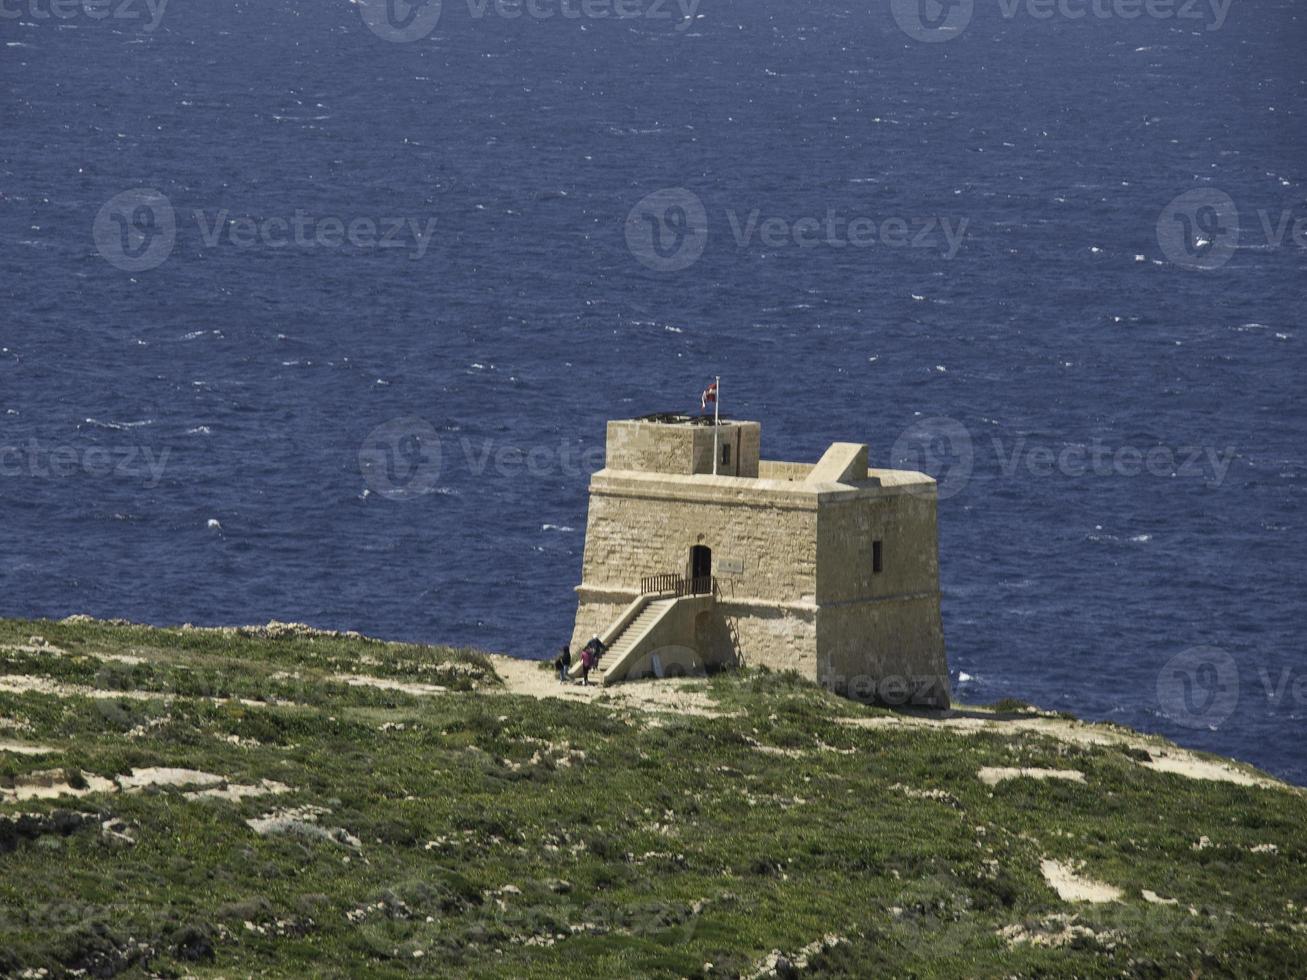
{"points": [[315, 311]]}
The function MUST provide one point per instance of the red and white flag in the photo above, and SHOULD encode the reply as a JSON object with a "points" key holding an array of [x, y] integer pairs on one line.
{"points": [[709, 395]]}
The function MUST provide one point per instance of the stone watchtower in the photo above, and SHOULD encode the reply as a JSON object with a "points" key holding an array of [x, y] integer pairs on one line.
{"points": [[830, 569]]}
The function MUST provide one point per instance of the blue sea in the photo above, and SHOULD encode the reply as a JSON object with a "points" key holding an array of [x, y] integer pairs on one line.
{"points": [[315, 311]]}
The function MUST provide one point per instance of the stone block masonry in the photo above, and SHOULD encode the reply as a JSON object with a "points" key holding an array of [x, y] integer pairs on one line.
{"points": [[831, 570]]}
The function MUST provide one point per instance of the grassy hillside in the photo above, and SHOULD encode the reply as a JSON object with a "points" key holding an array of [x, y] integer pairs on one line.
{"points": [[278, 803]]}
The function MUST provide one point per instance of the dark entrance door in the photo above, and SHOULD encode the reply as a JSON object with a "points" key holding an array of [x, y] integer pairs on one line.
{"points": [[700, 569]]}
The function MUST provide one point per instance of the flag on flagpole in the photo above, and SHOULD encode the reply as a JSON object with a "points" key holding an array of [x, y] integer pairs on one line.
{"points": [[709, 395]]}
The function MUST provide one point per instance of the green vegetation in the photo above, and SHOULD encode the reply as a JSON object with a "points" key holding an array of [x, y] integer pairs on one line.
{"points": [[477, 832]]}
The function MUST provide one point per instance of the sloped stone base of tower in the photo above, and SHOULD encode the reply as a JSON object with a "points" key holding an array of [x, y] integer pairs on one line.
{"points": [[888, 652]]}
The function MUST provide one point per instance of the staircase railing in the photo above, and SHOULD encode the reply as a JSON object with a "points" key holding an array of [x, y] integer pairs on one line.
{"points": [[654, 584], [669, 583], [701, 585]]}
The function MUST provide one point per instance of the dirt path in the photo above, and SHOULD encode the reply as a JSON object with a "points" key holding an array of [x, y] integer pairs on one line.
{"points": [[681, 696]]}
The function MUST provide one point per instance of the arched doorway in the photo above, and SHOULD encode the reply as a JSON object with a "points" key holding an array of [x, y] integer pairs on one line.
{"points": [[700, 569]]}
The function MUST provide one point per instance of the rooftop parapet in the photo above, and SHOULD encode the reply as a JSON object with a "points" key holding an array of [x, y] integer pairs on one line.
{"points": [[683, 445], [658, 453]]}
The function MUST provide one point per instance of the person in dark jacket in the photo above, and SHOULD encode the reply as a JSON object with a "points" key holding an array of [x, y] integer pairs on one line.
{"points": [[563, 664]]}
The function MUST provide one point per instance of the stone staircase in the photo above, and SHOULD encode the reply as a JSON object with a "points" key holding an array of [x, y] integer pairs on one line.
{"points": [[625, 642]]}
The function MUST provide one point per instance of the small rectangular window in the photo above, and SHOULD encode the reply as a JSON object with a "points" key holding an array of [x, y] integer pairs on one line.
{"points": [[877, 557], [726, 454]]}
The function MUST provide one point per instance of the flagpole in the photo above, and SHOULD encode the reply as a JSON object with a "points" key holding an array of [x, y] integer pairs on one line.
{"points": [[716, 409]]}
